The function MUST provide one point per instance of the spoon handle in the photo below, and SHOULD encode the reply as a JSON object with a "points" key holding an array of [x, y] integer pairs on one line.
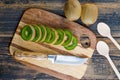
{"points": [[113, 66], [115, 42]]}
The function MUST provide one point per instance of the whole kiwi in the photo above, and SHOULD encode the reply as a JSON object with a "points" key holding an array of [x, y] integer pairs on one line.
{"points": [[72, 10], [89, 13]]}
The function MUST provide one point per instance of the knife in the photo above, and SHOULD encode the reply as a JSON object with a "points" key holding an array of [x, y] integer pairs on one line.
{"points": [[68, 60], [57, 59]]}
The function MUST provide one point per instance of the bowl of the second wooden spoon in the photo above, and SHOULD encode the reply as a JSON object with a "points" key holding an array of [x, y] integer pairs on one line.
{"points": [[103, 48]]}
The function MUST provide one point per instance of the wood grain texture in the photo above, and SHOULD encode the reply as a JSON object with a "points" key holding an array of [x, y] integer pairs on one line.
{"points": [[10, 14], [67, 72]]}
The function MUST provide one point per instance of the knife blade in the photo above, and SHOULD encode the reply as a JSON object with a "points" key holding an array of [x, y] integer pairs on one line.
{"points": [[68, 60]]}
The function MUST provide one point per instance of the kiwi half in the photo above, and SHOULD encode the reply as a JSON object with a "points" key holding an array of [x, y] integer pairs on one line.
{"points": [[73, 44], [48, 34], [68, 35], [26, 33], [61, 35]]}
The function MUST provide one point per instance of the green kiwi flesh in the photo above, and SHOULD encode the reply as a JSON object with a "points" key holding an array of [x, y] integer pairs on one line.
{"points": [[73, 44], [68, 35], [60, 36], [26, 33], [37, 33], [52, 38], [43, 34], [48, 34], [40, 33]]}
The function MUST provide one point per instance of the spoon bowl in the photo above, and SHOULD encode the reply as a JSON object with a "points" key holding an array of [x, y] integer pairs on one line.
{"points": [[103, 48], [103, 29]]}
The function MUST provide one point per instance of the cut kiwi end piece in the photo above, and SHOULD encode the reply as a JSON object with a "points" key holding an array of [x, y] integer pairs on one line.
{"points": [[37, 33], [68, 34], [48, 34], [73, 44], [60, 36], [26, 33]]}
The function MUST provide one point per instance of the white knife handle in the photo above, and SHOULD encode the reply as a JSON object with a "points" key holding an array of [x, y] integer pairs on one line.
{"points": [[115, 42], [113, 66]]}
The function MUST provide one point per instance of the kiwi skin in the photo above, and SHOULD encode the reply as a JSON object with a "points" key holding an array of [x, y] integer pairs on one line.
{"points": [[73, 45]]}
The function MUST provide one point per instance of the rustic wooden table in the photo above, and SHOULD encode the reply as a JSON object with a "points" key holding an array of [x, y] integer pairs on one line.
{"points": [[10, 14]]}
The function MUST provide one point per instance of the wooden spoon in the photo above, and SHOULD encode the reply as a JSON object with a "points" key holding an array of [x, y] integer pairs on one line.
{"points": [[103, 49], [104, 30]]}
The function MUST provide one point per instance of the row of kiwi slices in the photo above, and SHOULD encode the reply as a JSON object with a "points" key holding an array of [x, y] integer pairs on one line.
{"points": [[41, 33]]}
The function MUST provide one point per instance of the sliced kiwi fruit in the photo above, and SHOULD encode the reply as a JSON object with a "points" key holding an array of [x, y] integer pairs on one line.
{"points": [[48, 34], [37, 33], [73, 44], [40, 33], [44, 32], [27, 33], [56, 36], [68, 35], [53, 37], [39, 36], [61, 36]]}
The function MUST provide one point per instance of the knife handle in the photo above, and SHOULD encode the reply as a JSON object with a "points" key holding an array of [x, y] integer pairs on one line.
{"points": [[29, 54]]}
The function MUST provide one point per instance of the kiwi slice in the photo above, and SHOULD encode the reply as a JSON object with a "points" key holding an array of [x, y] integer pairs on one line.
{"points": [[48, 34], [37, 33], [53, 36], [68, 35], [27, 33], [73, 44], [40, 33], [43, 34], [60, 36]]}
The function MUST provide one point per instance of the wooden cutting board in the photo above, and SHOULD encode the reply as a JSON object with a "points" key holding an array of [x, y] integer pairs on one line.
{"points": [[66, 72]]}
